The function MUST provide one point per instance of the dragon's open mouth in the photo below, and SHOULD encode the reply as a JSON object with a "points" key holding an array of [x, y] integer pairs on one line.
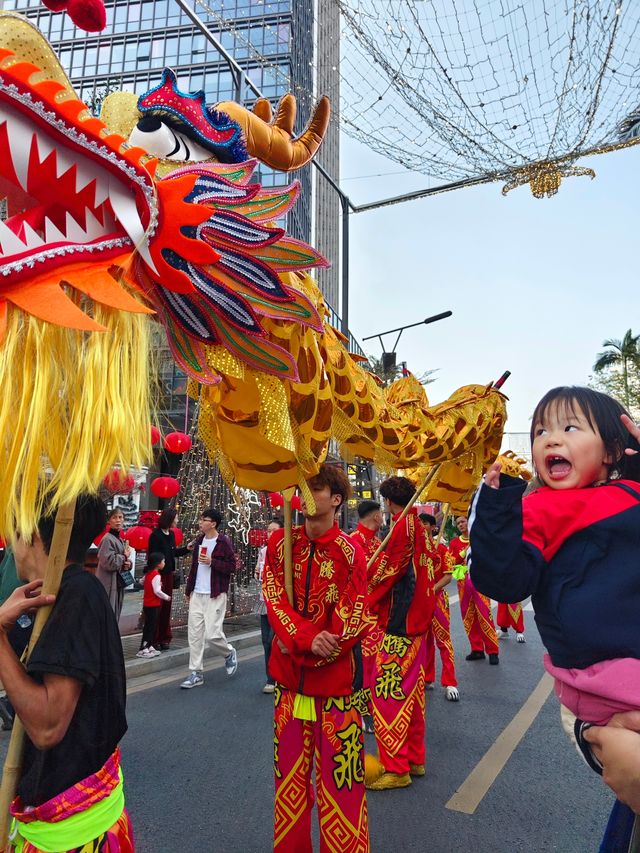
{"points": [[71, 188]]}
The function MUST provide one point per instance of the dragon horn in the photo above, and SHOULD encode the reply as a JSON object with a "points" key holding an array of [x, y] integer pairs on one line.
{"points": [[262, 108], [271, 142]]}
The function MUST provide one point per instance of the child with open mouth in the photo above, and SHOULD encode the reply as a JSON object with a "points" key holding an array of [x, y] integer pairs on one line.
{"points": [[573, 545]]}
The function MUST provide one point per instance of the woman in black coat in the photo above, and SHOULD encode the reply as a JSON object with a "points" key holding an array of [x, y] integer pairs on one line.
{"points": [[163, 541]]}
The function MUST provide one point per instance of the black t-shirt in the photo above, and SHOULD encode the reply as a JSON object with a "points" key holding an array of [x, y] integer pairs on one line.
{"points": [[80, 640]]}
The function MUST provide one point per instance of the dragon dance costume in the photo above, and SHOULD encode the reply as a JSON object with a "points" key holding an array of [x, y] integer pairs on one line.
{"points": [[370, 644], [314, 708], [401, 590], [475, 608], [89, 817], [440, 631], [510, 616]]}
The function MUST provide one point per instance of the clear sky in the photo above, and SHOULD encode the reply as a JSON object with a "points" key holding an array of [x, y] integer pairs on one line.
{"points": [[535, 285]]}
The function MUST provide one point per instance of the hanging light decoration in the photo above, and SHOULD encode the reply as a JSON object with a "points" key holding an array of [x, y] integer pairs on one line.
{"points": [[138, 537], [165, 487], [177, 442]]}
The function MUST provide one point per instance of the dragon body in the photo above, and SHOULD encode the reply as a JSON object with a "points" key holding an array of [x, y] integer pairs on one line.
{"points": [[153, 210]]}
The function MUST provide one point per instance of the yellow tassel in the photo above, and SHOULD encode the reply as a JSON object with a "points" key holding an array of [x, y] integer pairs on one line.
{"points": [[304, 708], [74, 405]]}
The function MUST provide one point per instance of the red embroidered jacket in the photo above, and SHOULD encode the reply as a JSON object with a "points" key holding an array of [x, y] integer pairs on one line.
{"points": [[330, 594], [367, 540], [401, 589], [458, 549]]}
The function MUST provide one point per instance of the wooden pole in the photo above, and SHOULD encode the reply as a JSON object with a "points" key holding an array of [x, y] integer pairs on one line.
{"points": [[50, 586], [445, 516], [419, 490], [288, 544]]}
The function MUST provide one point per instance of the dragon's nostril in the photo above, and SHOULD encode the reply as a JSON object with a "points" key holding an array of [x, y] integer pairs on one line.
{"points": [[149, 123]]}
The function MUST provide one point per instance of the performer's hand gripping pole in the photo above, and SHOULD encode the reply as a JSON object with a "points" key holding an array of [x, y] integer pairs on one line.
{"points": [[50, 586]]}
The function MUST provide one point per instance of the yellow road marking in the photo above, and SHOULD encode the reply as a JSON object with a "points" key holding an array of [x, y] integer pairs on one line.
{"points": [[470, 794]]}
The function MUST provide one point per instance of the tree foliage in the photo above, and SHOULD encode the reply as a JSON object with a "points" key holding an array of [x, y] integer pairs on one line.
{"points": [[617, 370]]}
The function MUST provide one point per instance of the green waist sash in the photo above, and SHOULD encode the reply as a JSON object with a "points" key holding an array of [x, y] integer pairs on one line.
{"points": [[73, 831]]}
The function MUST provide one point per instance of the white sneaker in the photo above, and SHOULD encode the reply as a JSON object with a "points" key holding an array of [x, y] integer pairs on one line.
{"points": [[452, 694], [143, 653], [503, 634], [231, 662], [520, 638], [269, 688], [194, 679], [153, 653]]}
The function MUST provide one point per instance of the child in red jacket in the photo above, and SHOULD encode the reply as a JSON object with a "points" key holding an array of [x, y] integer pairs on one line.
{"points": [[152, 599]]}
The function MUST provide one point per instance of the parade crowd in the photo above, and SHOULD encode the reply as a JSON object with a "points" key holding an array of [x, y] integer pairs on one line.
{"points": [[351, 648]]}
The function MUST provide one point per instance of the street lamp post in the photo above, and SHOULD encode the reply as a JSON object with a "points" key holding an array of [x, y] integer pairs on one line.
{"points": [[389, 357]]}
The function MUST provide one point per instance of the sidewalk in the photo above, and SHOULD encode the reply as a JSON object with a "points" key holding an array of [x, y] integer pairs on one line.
{"points": [[241, 631]]}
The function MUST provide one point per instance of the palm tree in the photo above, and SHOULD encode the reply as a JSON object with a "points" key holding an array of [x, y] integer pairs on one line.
{"points": [[624, 353]]}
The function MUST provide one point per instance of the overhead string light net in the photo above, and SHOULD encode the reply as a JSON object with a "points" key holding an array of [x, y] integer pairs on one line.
{"points": [[481, 90]]}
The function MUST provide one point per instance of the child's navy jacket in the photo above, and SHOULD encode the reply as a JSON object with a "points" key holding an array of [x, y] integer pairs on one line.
{"points": [[576, 552]]}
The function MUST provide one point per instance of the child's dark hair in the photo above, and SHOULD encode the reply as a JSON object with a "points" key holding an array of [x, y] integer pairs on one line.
{"points": [[603, 415], [153, 561]]}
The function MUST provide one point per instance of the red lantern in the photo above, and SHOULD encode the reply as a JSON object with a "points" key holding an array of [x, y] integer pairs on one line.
{"points": [[138, 537], [177, 442], [117, 482], [276, 500], [179, 536], [165, 487], [295, 503], [101, 536], [155, 435]]}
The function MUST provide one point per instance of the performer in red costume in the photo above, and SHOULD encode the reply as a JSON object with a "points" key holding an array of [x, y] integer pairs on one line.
{"points": [[510, 616], [401, 590], [440, 631], [314, 660], [370, 522], [474, 607]]}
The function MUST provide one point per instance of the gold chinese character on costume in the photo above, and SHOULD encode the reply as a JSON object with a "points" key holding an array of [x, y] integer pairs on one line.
{"points": [[348, 762], [332, 594], [326, 569], [394, 645], [389, 682], [342, 703], [423, 559]]}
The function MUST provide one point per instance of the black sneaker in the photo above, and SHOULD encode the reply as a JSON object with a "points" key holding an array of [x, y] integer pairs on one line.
{"points": [[476, 656], [494, 660]]}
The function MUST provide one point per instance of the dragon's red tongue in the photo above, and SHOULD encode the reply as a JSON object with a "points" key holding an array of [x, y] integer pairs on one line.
{"points": [[559, 468]]}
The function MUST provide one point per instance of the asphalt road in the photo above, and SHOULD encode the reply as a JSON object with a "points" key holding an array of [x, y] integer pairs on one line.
{"points": [[198, 766]]}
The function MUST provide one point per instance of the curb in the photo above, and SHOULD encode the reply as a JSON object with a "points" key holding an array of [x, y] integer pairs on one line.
{"points": [[137, 667]]}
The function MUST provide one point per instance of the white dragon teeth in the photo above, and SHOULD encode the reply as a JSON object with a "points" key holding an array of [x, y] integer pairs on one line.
{"points": [[28, 143], [123, 205], [11, 245], [51, 233], [33, 239], [20, 135]]}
